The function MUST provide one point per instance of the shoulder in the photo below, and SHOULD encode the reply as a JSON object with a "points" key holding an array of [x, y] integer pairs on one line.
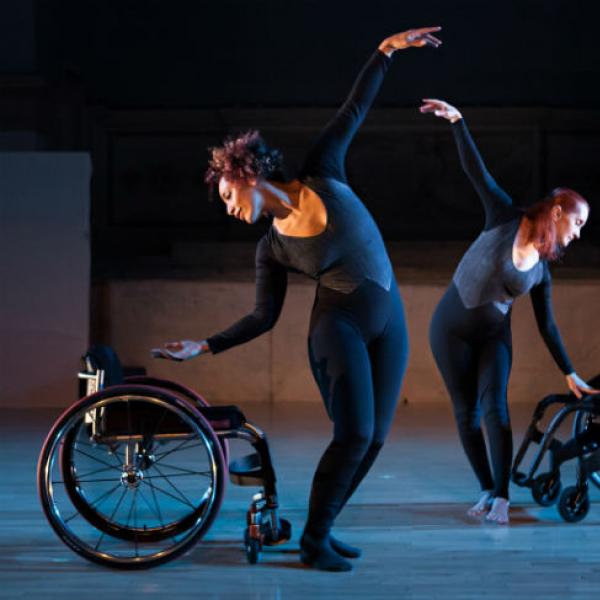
{"points": [[269, 251], [264, 246]]}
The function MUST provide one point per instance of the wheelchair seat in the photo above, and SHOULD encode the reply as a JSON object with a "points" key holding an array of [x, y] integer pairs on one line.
{"points": [[222, 418]]}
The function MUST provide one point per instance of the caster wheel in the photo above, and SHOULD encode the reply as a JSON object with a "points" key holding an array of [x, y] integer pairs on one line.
{"points": [[574, 504], [253, 548], [284, 534], [546, 489]]}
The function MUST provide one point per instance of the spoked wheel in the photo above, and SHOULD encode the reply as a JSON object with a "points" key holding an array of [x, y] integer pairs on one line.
{"points": [[131, 477], [574, 504], [579, 426], [183, 392], [546, 488]]}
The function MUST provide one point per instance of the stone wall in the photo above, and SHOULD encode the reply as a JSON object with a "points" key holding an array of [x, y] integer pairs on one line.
{"points": [[138, 315]]}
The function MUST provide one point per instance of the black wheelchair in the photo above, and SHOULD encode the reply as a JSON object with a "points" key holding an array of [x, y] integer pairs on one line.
{"points": [[583, 445], [133, 474]]}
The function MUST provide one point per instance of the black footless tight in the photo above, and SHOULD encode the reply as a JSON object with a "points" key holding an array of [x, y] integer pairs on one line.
{"points": [[473, 351], [358, 350]]}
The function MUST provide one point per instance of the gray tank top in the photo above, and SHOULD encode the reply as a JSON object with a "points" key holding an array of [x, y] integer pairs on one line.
{"points": [[486, 274]]}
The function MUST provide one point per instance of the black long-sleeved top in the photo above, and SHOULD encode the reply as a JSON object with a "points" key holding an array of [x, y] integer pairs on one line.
{"points": [[486, 273], [349, 250]]}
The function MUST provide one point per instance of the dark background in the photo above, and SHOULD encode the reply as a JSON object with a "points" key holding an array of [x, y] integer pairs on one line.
{"points": [[146, 86]]}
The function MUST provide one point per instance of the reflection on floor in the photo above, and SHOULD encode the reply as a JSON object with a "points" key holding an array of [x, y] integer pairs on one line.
{"points": [[409, 518]]}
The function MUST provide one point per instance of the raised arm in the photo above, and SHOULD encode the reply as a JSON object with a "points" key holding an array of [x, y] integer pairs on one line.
{"points": [[271, 285], [327, 156], [541, 298], [496, 202]]}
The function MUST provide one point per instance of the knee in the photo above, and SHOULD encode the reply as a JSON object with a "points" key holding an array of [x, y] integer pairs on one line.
{"points": [[467, 419], [355, 443], [375, 446], [496, 413]]}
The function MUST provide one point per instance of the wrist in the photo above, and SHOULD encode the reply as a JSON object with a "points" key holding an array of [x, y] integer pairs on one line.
{"points": [[386, 49], [455, 118]]}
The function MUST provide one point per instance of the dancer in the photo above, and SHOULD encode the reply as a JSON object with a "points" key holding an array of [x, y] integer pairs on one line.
{"points": [[470, 332], [357, 344]]}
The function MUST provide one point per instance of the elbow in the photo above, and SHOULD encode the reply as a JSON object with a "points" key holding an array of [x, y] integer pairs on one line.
{"points": [[548, 331], [265, 320]]}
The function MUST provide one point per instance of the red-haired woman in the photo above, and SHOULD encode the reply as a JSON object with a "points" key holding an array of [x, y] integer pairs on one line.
{"points": [[357, 344], [470, 331]]}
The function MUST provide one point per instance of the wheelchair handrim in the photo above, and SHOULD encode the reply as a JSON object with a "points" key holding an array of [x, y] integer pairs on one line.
{"points": [[192, 531]]}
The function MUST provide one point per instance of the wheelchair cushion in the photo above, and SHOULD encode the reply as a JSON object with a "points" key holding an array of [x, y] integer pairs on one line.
{"points": [[223, 417]]}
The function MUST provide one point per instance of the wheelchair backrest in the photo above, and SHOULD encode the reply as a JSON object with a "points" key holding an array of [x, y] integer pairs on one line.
{"points": [[102, 369], [594, 382]]}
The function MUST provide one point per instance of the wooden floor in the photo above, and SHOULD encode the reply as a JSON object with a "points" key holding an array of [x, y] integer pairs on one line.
{"points": [[409, 518]]}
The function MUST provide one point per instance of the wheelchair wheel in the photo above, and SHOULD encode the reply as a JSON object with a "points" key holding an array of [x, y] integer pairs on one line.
{"points": [[546, 489], [182, 391], [574, 504], [579, 426], [283, 533], [253, 547], [131, 477]]}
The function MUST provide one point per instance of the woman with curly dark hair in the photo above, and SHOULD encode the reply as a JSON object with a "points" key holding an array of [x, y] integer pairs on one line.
{"points": [[358, 345], [470, 331]]}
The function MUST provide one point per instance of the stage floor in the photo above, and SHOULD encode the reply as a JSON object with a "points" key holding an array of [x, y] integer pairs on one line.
{"points": [[408, 516]]}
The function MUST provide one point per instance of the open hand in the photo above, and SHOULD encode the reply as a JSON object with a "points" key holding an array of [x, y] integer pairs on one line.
{"points": [[440, 109], [182, 350], [413, 38], [578, 386]]}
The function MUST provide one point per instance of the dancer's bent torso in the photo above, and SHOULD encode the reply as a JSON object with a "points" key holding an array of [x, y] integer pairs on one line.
{"points": [[357, 340], [470, 331]]}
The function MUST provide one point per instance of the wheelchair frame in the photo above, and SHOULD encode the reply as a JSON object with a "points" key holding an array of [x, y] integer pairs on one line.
{"points": [[146, 413], [546, 488]]}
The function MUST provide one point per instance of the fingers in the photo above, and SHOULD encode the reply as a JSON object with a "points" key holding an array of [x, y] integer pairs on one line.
{"points": [[422, 36], [424, 30], [434, 102], [438, 107], [574, 389], [164, 353], [174, 346], [431, 40]]}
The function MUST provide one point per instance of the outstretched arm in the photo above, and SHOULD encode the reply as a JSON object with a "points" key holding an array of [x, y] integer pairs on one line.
{"points": [[541, 298], [327, 156], [271, 285], [496, 202]]}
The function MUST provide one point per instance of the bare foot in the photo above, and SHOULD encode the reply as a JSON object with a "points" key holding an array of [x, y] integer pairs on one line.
{"points": [[482, 506], [499, 512]]}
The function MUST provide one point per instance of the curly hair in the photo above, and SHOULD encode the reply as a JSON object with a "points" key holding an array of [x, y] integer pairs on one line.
{"points": [[543, 230], [243, 158]]}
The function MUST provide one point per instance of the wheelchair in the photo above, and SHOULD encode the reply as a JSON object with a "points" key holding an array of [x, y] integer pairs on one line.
{"points": [[133, 474], [584, 445]]}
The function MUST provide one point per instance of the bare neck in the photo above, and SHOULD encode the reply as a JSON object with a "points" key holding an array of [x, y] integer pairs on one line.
{"points": [[281, 199]]}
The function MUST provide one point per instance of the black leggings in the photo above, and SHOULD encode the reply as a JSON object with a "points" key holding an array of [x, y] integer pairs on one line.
{"points": [[358, 350], [473, 351]]}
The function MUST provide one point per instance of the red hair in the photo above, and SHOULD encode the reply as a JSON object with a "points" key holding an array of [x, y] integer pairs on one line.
{"points": [[243, 158], [543, 228]]}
